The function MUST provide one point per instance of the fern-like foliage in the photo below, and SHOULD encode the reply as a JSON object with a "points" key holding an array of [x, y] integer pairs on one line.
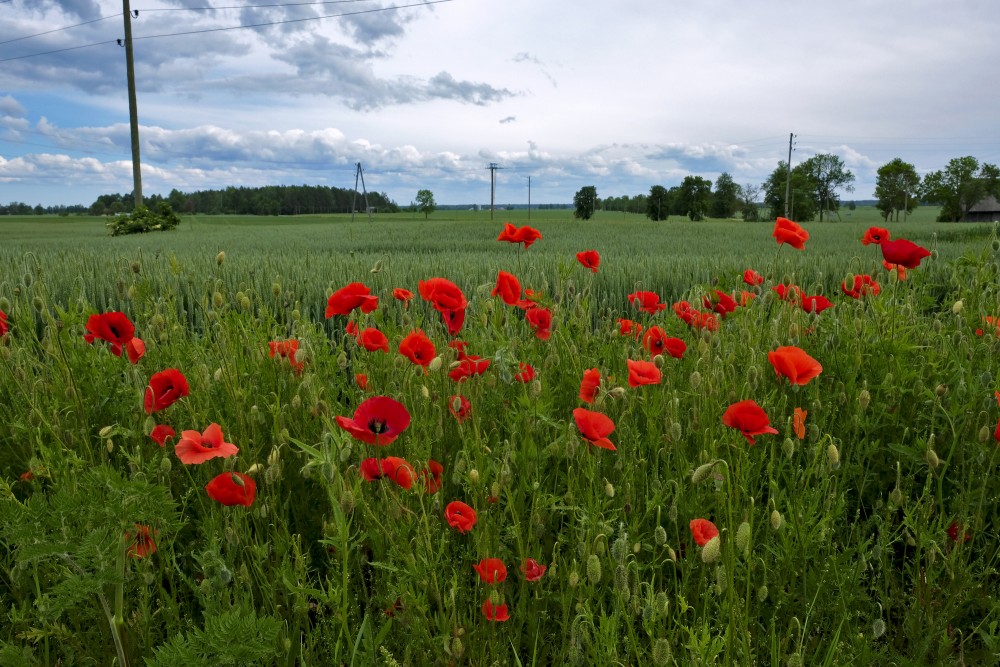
{"points": [[236, 637]]}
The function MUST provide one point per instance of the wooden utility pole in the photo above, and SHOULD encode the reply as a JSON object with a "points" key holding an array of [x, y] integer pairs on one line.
{"points": [[529, 197], [133, 112], [493, 166], [788, 178]]}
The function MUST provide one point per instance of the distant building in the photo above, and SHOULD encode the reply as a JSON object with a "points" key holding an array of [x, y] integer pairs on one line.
{"points": [[986, 209]]}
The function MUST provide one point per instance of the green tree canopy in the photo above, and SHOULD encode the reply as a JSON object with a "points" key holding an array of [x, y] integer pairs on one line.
{"points": [[425, 202], [658, 203], [802, 206], [695, 196], [828, 175], [897, 188], [748, 195], [585, 201], [726, 198], [960, 186]]}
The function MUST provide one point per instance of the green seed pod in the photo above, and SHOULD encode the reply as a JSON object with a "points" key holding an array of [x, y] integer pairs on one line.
{"points": [[457, 649], [342, 360], [864, 399], [776, 519], [574, 579], [896, 496], [609, 490], [660, 536], [695, 379], [662, 603], [435, 364], [702, 472], [594, 569], [621, 581], [878, 628], [932, 459], [474, 476], [788, 448], [984, 434], [166, 465], [762, 593], [276, 290], [662, 654], [833, 456], [218, 300]]}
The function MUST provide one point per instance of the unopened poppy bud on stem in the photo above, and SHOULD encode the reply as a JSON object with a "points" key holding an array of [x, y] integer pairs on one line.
{"points": [[833, 456], [776, 519], [220, 258], [435, 364], [702, 472], [743, 537], [594, 569], [106, 431], [710, 552], [474, 476]]}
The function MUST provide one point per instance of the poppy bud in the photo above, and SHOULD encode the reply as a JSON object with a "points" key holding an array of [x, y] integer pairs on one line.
{"points": [[896, 496], [254, 469], [594, 569], [218, 300], [435, 364], [574, 579], [220, 258], [813, 432], [609, 490], [932, 459], [474, 476], [675, 431], [984, 434], [720, 580], [661, 652], [244, 301], [377, 268], [702, 472], [788, 447], [878, 628], [456, 648], [166, 465], [621, 582], [276, 290], [617, 392], [833, 456], [4, 303], [660, 536], [342, 360], [695, 379], [536, 388], [658, 361], [38, 304], [957, 307], [743, 537], [106, 431], [710, 552], [217, 376], [762, 593], [296, 316], [776, 519], [864, 398], [672, 512], [793, 330]]}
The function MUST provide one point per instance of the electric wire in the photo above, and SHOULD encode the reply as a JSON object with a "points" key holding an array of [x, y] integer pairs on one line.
{"points": [[66, 27]]}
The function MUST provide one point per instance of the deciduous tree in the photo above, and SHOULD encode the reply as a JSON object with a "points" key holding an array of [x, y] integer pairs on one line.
{"points": [[585, 201], [828, 175], [695, 196], [425, 202], [658, 203], [748, 195], [803, 205], [726, 197], [897, 188], [960, 186]]}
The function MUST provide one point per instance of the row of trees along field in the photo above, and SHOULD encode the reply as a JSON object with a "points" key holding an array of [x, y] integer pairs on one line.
{"points": [[815, 187], [267, 200]]}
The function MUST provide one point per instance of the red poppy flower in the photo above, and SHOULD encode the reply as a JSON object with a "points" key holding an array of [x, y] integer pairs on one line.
{"points": [[629, 328], [460, 516], [875, 235], [161, 433], [595, 427], [746, 297], [956, 530], [533, 570], [815, 304], [453, 321], [588, 387], [373, 340], [647, 302], [540, 320], [792, 233], [467, 367], [459, 407], [27, 475], [3, 324], [135, 349], [115, 328], [491, 570], [703, 530], [656, 341], [346, 299], [459, 346], [508, 288], [442, 294], [194, 447], [752, 278], [900, 270], [793, 363], [399, 471], [232, 488], [498, 613], [526, 374], [370, 469], [787, 292], [361, 380], [861, 285], [684, 310], [141, 543], [418, 348], [526, 235], [403, 295], [286, 349], [642, 372], [903, 252], [530, 300], [720, 302], [432, 476], [379, 420], [748, 418], [799, 423], [164, 389], [590, 259]]}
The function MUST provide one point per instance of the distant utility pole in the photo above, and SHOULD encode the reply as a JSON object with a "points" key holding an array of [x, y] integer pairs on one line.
{"points": [[493, 166], [359, 173], [788, 178], [133, 112], [529, 197]]}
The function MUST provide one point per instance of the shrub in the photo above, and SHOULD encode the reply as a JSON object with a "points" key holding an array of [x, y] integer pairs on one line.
{"points": [[142, 220]]}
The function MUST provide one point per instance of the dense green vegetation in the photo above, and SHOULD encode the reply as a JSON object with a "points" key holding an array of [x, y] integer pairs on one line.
{"points": [[840, 544]]}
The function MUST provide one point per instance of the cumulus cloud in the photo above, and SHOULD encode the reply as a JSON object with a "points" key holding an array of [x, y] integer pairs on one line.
{"points": [[508, 119], [11, 107]]}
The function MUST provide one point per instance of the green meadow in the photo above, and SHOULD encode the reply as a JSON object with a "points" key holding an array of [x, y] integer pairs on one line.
{"points": [[866, 535]]}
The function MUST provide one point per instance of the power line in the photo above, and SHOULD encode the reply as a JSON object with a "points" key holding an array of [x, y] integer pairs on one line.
{"points": [[274, 4], [227, 28], [49, 32]]}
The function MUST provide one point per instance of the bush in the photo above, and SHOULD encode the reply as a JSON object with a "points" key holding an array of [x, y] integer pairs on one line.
{"points": [[142, 220]]}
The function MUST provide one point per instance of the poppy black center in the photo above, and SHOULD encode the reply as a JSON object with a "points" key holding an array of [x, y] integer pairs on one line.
{"points": [[376, 425], [114, 332]]}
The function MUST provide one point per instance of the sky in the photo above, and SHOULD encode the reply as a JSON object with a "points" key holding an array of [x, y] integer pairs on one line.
{"points": [[561, 94]]}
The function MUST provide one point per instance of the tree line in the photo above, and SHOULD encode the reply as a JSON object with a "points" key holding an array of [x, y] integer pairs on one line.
{"points": [[267, 200], [812, 189]]}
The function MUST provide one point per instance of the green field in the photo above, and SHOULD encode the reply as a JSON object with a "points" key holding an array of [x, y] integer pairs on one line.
{"points": [[870, 537]]}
